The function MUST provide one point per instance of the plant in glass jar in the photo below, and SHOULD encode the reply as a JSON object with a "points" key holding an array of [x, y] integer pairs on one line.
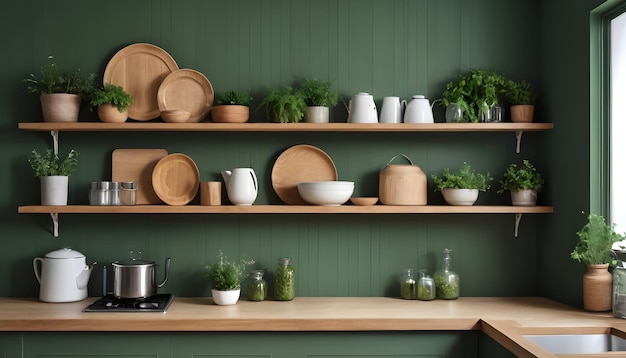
{"points": [[523, 183], [461, 187], [474, 92], [226, 277]]}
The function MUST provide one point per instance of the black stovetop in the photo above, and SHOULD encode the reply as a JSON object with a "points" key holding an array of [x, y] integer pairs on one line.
{"points": [[109, 303]]}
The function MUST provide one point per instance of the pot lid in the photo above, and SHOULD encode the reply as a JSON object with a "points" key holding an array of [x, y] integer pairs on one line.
{"points": [[64, 253], [132, 262]]}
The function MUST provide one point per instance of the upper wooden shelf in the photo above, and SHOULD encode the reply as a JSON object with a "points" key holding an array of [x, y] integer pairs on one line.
{"points": [[283, 127], [285, 209]]}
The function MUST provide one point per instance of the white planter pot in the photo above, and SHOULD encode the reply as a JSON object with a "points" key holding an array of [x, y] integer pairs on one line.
{"points": [[525, 197], [316, 114], [225, 298], [54, 190], [60, 107], [460, 196]]}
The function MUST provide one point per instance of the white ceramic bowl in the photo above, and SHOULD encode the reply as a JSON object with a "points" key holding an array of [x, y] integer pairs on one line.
{"points": [[460, 196], [330, 193]]}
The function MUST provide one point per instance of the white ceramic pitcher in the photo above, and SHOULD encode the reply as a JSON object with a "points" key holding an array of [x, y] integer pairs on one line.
{"points": [[392, 109], [241, 185]]}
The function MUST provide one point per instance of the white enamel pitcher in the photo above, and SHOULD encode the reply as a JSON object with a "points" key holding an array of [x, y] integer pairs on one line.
{"points": [[241, 185], [63, 276]]}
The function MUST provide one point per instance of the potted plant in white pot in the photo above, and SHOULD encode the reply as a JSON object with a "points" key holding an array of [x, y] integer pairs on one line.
{"points": [[595, 241], [318, 96], [232, 107], [226, 277], [112, 102], [521, 97], [53, 173], [284, 105], [523, 183], [60, 93], [463, 186]]}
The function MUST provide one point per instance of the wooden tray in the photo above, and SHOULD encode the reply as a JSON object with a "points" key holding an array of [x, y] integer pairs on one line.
{"points": [[140, 68], [300, 163], [176, 179], [137, 165], [186, 90]]}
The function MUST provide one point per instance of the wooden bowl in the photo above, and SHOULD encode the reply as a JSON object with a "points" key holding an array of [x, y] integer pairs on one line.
{"points": [[364, 201], [175, 116]]}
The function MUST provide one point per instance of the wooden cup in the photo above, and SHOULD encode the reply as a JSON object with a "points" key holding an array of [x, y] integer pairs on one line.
{"points": [[211, 193]]}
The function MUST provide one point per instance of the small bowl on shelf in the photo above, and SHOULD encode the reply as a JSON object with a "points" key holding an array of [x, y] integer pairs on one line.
{"points": [[364, 200], [328, 193], [175, 116]]}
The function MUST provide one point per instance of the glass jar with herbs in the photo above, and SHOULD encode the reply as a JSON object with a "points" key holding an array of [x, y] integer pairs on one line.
{"points": [[257, 286], [284, 280], [425, 287], [407, 285], [446, 281]]}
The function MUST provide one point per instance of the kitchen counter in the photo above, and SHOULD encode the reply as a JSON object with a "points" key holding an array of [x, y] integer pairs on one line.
{"points": [[503, 319]]}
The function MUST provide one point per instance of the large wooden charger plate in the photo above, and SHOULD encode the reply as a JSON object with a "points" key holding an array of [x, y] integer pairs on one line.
{"points": [[186, 90], [297, 164], [176, 179], [137, 165], [140, 68]]}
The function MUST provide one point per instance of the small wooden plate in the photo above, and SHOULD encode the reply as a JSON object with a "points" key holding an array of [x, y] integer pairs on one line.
{"points": [[186, 90], [176, 179], [364, 200]]}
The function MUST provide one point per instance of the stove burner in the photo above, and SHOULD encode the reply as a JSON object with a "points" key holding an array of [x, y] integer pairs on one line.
{"points": [[110, 303]]}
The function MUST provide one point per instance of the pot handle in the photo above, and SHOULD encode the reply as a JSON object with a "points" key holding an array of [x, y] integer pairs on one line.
{"points": [[167, 272], [36, 267], [397, 155]]}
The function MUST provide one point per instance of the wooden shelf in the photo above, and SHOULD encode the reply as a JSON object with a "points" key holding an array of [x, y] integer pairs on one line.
{"points": [[283, 127], [285, 209]]}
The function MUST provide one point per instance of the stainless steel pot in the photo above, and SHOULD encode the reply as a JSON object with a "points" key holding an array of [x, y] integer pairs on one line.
{"points": [[136, 278]]}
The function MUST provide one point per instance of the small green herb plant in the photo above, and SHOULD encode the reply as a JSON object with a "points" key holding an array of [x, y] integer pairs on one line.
{"points": [[464, 178], [519, 93], [475, 91], [227, 275], [596, 240], [113, 95], [235, 98], [284, 105], [318, 93], [52, 80], [50, 164], [525, 177]]}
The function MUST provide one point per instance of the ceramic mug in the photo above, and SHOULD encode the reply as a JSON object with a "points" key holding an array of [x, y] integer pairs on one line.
{"points": [[391, 111]]}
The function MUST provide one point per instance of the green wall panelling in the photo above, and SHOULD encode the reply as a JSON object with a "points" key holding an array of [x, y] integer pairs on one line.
{"points": [[10, 345], [487, 348]]}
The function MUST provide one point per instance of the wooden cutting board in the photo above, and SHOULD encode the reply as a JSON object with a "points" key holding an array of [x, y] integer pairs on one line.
{"points": [[137, 165]]}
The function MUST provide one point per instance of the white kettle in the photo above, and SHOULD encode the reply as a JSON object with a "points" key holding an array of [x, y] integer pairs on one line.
{"points": [[418, 110], [241, 185], [362, 109], [63, 276]]}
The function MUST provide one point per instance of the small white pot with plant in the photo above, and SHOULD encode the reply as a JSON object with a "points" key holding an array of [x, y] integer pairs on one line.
{"points": [[112, 102], [226, 277], [461, 187], [523, 183], [53, 173], [232, 107], [319, 96]]}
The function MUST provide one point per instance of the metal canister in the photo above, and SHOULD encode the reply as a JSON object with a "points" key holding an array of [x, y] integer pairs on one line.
{"points": [[114, 193], [99, 193], [128, 193]]}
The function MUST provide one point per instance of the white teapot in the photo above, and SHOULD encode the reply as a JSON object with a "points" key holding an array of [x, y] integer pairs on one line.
{"points": [[63, 276], [418, 110]]}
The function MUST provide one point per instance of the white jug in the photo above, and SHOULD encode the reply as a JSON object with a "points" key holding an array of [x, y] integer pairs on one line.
{"points": [[63, 276], [418, 110], [391, 111], [241, 185], [362, 109]]}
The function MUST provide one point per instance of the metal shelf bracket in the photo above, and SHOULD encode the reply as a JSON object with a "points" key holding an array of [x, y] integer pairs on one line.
{"points": [[55, 141], [518, 218], [518, 139], [55, 224]]}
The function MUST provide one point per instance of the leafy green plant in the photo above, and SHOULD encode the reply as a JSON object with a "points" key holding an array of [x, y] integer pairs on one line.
{"points": [[475, 91], [235, 98], [464, 178], [227, 275], [113, 95], [596, 239], [52, 80], [523, 178], [519, 93], [51, 164], [283, 105], [318, 93]]}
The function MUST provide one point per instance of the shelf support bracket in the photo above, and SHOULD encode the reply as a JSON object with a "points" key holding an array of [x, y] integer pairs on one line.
{"points": [[55, 141], [518, 218], [518, 139], [55, 224]]}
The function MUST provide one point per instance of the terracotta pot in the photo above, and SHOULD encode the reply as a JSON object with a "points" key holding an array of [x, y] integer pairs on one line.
{"points": [[522, 113], [230, 113], [108, 113], [60, 107], [597, 287]]}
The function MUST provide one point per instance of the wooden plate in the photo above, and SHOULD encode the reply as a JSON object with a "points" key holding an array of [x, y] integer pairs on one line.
{"points": [[140, 68], [137, 165], [186, 90], [176, 179], [297, 164]]}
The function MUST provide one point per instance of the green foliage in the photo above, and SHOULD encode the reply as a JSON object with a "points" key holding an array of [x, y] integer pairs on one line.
{"points": [[318, 93], [235, 98], [283, 105], [464, 178], [52, 80], [51, 164], [596, 239], [519, 93], [111, 94], [475, 92], [227, 275], [526, 177]]}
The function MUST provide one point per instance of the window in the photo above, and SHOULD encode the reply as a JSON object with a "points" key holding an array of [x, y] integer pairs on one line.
{"points": [[617, 113]]}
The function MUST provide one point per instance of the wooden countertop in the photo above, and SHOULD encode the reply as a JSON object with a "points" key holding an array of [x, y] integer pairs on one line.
{"points": [[505, 319]]}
